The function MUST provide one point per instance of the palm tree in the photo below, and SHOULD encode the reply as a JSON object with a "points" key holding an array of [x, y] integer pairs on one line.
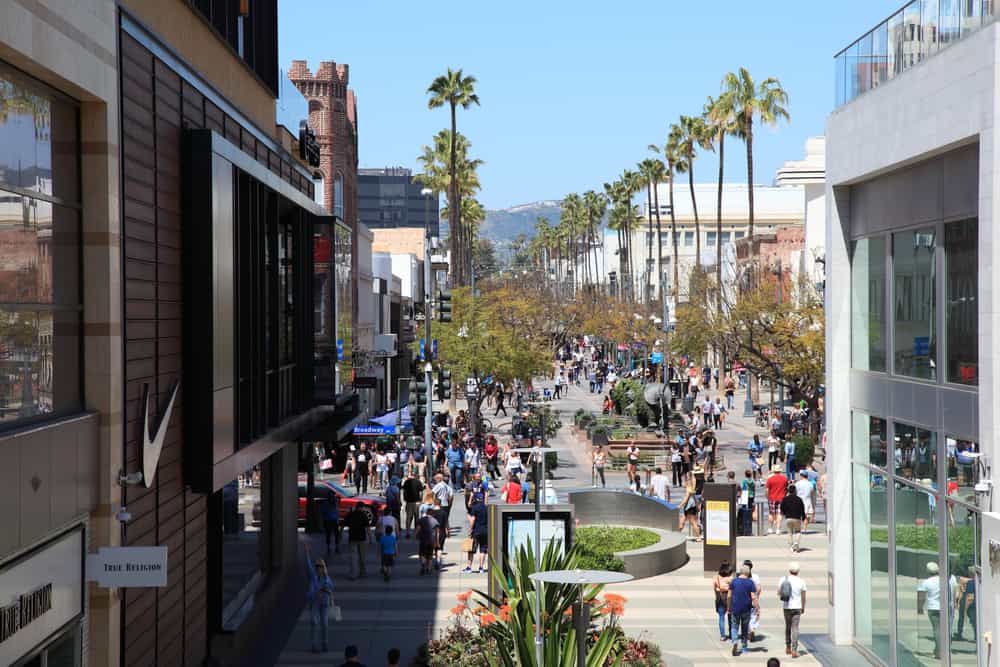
{"points": [[720, 116], [676, 164], [543, 234], [455, 90], [596, 206], [571, 220], [654, 171], [694, 135], [765, 102], [632, 183]]}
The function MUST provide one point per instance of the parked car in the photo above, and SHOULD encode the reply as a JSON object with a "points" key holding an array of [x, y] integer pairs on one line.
{"points": [[372, 506]]}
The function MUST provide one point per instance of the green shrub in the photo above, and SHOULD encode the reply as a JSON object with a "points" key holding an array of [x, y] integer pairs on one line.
{"points": [[805, 449], [597, 545]]}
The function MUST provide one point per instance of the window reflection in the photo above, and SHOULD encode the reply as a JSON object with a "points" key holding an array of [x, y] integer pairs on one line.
{"points": [[872, 615], [961, 242], [963, 538], [868, 330], [245, 556], [916, 454], [914, 302], [963, 459], [929, 27], [920, 598], [869, 437]]}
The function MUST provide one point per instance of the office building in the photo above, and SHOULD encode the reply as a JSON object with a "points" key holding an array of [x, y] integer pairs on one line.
{"points": [[911, 394], [389, 198]]}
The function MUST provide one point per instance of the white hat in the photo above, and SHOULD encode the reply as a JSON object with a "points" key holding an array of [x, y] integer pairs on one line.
{"points": [[932, 568]]}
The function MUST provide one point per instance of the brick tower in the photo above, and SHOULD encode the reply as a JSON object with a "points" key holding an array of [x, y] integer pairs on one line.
{"points": [[333, 117]]}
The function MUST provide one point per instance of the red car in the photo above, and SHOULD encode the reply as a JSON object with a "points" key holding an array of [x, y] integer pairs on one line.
{"points": [[372, 506]]}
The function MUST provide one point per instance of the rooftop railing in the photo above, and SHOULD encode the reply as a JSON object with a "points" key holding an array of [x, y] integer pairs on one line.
{"points": [[916, 32]]}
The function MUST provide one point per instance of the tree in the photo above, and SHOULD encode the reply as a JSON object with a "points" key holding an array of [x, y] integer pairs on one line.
{"points": [[595, 206], [484, 258], [693, 136], [676, 163], [455, 90], [766, 102], [720, 118], [571, 223], [653, 171]]}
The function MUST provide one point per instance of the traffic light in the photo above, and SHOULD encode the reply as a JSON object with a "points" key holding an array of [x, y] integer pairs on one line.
{"points": [[418, 399], [444, 384], [444, 305]]}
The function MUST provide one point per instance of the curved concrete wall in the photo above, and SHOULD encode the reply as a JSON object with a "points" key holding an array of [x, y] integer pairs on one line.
{"points": [[667, 555], [620, 508]]}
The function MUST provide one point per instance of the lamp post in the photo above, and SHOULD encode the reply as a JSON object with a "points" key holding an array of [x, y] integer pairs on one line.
{"points": [[428, 368]]}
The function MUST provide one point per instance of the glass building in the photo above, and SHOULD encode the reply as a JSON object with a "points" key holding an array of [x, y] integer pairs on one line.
{"points": [[911, 423], [390, 198]]}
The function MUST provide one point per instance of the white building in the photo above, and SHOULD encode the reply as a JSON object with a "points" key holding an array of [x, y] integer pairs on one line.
{"points": [[912, 307]]}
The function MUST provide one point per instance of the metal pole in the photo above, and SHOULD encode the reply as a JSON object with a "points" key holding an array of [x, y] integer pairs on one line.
{"points": [[539, 466], [781, 379], [428, 277]]}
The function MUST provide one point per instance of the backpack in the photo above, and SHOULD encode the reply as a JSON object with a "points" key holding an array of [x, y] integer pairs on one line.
{"points": [[785, 590]]}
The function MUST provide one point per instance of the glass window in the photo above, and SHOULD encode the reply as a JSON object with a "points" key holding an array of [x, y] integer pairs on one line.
{"points": [[913, 303], [972, 15], [710, 238], [853, 71], [726, 237], [895, 64], [929, 27], [338, 196], [911, 34], [961, 309], [245, 544], [964, 527], [880, 48], [840, 79], [920, 596], [868, 330], [963, 468], [870, 440], [689, 238], [872, 614], [915, 454], [865, 63], [740, 235], [949, 27], [677, 238]]}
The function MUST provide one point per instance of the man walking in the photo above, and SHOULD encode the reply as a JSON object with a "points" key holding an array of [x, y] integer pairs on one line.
{"points": [[794, 511], [413, 489], [331, 519], [428, 537], [443, 494], [792, 593], [659, 486], [776, 485], [479, 525], [929, 598], [357, 535], [742, 599], [807, 492], [789, 458]]}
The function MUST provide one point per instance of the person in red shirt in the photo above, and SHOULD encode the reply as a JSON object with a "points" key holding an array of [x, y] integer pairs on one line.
{"points": [[492, 451], [776, 485], [510, 493]]}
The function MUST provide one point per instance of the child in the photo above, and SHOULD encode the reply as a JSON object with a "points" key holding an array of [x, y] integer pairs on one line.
{"points": [[390, 549]]}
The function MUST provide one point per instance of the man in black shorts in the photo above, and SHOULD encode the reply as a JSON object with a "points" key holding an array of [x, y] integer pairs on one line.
{"points": [[427, 536], [479, 525]]}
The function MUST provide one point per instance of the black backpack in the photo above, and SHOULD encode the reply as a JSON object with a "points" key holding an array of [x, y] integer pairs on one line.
{"points": [[785, 590]]}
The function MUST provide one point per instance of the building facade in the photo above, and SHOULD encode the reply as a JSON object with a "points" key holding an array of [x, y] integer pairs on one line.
{"points": [[911, 301], [389, 198]]}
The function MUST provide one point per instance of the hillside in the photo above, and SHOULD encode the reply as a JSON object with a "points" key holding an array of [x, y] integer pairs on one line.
{"points": [[504, 225]]}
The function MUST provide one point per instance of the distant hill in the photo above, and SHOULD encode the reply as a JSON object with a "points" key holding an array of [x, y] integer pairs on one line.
{"points": [[504, 225]]}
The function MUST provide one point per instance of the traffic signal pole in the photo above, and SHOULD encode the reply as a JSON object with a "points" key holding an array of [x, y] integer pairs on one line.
{"points": [[428, 377]]}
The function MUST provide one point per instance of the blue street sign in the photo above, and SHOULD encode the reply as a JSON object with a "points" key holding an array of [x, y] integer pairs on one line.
{"points": [[434, 348], [373, 429], [340, 349], [422, 357], [656, 357]]}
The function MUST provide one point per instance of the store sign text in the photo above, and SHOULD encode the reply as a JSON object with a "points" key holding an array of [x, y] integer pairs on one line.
{"points": [[26, 609]]}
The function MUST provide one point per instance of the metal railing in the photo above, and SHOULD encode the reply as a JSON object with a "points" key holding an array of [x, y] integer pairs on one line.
{"points": [[914, 33]]}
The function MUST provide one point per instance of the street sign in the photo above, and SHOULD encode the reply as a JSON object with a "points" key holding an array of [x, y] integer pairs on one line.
{"points": [[128, 567], [373, 429], [340, 349], [365, 383], [471, 385], [422, 352]]}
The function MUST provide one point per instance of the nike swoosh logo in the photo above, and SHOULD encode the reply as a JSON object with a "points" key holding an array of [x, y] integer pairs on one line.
{"points": [[153, 445]]}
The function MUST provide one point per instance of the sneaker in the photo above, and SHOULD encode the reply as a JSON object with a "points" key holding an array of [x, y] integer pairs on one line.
{"points": [[467, 570], [736, 649]]}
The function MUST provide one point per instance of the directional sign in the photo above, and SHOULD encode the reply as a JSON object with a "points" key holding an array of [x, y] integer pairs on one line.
{"points": [[422, 353], [128, 567], [340, 349]]}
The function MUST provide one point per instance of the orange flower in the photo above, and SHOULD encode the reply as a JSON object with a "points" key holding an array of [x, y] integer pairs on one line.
{"points": [[614, 597], [487, 619], [464, 597], [479, 611], [457, 610], [504, 613]]}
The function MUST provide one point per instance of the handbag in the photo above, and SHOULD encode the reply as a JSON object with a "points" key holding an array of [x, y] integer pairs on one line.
{"points": [[335, 614], [468, 545]]}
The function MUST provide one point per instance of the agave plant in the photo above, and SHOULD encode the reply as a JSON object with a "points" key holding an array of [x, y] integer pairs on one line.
{"points": [[514, 628]]}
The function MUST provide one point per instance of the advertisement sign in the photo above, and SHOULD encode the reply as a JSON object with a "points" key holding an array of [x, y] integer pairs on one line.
{"points": [[365, 383], [39, 594], [522, 531], [717, 528], [128, 567]]}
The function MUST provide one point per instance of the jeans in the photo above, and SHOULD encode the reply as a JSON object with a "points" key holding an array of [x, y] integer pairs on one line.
{"points": [[740, 629], [745, 521], [319, 623], [455, 473], [600, 473], [332, 527], [677, 470], [792, 617], [934, 616], [357, 550], [790, 467], [729, 402], [971, 613], [725, 622]]}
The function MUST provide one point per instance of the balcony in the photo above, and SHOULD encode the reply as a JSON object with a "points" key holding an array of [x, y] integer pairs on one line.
{"points": [[914, 33]]}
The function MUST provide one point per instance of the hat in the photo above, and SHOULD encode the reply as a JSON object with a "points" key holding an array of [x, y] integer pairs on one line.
{"points": [[932, 568], [803, 473], [351, 651], [748, 562], [776, 468]]}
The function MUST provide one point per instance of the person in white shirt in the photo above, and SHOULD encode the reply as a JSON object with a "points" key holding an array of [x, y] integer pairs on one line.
{"points": [[806, 491], [706, 410], [658, 486], [929, 598], [471, 460], [789, 459], [793, 607]]}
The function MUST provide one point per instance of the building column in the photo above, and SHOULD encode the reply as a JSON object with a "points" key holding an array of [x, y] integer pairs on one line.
{"points": [[837, 410]]}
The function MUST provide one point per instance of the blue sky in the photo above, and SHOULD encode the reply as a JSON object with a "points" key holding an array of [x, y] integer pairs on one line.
{"points": [[572, 92]]}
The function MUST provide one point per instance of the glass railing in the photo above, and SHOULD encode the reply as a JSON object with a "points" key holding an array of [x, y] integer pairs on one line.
{"points": [[915, 32]]}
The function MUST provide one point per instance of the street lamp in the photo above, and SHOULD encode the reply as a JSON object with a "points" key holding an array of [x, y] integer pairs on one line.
{"points": [[428, 345]]}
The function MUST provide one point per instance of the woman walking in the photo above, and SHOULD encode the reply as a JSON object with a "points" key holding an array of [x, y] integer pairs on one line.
{"points": [[320, 598], [632, 456], [721, 586], [600, 460], [676, 465], [689, 505]]}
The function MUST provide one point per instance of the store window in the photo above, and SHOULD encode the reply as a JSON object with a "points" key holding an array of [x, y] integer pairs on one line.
{"points": [[963, 468], [872, 609], [689, 238], [915, 454], [961, 241], [914, 303], [868, 330], [921, 599], [869, 440], [246, 553], [40, 281], [710, 238]]}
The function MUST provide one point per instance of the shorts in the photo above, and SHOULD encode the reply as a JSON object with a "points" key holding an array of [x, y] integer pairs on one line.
{"points": [[426, 550], [793, 525], [482, 543], [388, 560], [774, 506], [691, 511]]}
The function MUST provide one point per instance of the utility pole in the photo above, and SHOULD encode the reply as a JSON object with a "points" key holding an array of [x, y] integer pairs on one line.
{"points": [[428, 345], [781, 376]]}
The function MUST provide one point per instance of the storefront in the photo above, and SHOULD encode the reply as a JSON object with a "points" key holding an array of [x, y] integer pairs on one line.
{"points": [[42, 604]]}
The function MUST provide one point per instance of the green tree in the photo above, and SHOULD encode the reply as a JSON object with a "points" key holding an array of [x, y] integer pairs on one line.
{"points": [[571, 223], [767, 103], [455, 90]]}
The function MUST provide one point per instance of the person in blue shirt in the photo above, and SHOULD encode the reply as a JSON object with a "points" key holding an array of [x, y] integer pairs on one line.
{"points": [[455, 458], [390, 549], [320, 597], [742, 599]]}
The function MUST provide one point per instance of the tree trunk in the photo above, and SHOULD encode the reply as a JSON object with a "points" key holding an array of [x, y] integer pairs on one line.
{"points": [[694, 205], [674, 239], [750, 174], [718, 226], [659, 246], [621, 264], [649, 240], [458, 265]]}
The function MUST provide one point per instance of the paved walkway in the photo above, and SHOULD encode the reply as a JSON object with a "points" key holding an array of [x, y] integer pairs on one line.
{"points": [[673, 610]]}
